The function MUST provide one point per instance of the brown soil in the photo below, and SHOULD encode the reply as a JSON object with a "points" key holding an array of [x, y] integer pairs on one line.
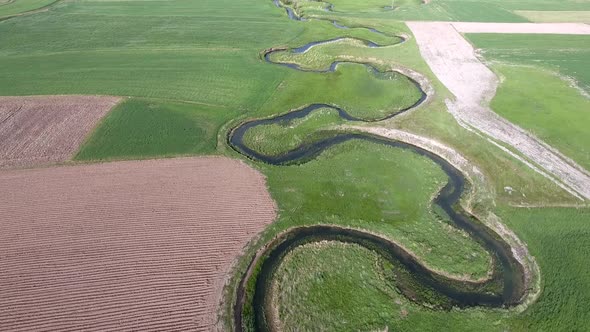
{"points": [[47, 129], [136, 245]]}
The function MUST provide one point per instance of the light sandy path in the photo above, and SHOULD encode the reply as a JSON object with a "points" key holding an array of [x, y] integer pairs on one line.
{"points": [[38, 130], [453, 61], [124, 246]]}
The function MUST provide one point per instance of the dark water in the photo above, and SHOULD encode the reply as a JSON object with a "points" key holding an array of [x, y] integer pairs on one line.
{"points": [[341, 26], [290, 12], [330, 8], [505, 288]]}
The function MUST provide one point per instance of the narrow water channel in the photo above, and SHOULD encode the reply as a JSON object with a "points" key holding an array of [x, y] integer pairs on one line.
{"points": [[504, 288]]}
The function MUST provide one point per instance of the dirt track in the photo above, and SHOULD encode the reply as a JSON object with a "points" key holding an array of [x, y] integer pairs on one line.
{"points": [[453, 61], [138, 245], [47, 129]]}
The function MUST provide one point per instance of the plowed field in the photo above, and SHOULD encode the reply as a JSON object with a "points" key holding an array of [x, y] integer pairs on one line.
{"points": [[47, 129], [136, 245]]}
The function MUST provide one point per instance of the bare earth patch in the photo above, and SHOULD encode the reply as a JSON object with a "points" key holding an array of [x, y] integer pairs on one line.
{"points": [[453, 61], [40, 130], [135, 245]]}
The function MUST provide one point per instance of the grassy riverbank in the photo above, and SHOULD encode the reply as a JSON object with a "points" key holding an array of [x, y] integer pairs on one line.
{"points": [[319, 284], [277, 139], [441, 10], [381, 189], [560, 240], [358, 89]]}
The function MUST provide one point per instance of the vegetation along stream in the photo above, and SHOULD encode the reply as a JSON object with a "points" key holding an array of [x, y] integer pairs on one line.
{"points": [[504, 288]]}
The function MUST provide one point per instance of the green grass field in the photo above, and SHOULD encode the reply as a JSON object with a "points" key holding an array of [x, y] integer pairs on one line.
{"points": [[569, 54], [558, 237], [10, 8], [378, 188], [547, 16], [535, 96], [192, 70], [277, 139], [138, 129], [319, 284], [559, 118], [353, 87], [181, 50], [439, 10]]}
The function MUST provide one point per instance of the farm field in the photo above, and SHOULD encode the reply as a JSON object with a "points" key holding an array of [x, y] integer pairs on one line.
{"points": [[139, 129], [442, 10], [556, 63], [107, 247], [567, 54], [555, 16], [10, 8], [43, 130], [294, 165], [558, 238], [167, 50], [563, 105]]}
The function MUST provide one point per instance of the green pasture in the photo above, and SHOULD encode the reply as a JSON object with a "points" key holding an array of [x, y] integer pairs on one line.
{"points": [[567, 54], [548, 16], [545, 105], [438, 10], [353, 87], [320, 284], [559, 238], [277, 139], [379, 188], [536, 92], [139, 128], [10, 8]]}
